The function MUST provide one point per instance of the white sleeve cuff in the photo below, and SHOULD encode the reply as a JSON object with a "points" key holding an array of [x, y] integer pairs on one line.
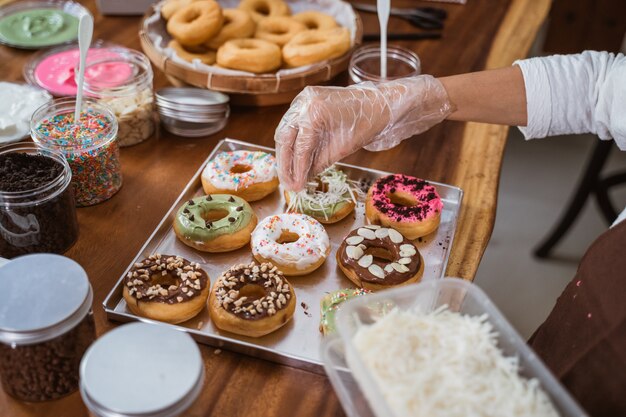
{"points": [[538, 98]]}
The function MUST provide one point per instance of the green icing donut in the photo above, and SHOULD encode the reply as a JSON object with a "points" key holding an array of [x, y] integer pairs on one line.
{"points": [[190, 217], [324, 204]]}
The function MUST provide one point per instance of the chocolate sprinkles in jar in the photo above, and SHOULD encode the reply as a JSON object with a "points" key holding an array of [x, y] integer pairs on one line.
{"points": [[141, 369], [46, 325]]}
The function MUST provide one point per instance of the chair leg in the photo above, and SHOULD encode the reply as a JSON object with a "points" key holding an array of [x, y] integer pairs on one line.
{"points": [[602, 195], [586, 186]]}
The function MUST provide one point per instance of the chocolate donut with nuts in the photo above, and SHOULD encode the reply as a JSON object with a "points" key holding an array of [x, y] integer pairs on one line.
{"points": [[252, 300], [376, 258], [166, 288]]}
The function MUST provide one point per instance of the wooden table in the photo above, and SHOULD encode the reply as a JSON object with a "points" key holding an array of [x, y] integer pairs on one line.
{"points": [[482, 34]]}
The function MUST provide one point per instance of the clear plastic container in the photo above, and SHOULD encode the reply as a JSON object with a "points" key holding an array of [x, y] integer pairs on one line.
{"points": [[91, 150], [41, 219], [46, 325], [365, 63], [123, 81], [361, 397], [141, 369]]}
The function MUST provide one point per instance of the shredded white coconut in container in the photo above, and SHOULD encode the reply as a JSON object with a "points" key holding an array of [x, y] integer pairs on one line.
{"points": [[445, 364]]}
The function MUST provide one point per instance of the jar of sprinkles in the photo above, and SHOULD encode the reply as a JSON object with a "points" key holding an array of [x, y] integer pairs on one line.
{"points": [[123, 81], [90, 146], [46, 325]]}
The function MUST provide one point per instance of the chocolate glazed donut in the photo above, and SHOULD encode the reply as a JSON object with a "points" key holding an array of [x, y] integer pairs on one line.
{"points": [[166, 288], [377, 258]]}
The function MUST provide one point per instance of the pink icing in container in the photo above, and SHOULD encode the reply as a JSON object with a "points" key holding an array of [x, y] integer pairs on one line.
{"points": [[54, 69]]}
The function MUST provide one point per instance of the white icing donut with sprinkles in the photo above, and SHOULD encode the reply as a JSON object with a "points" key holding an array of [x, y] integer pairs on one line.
{"points": [[296, 243], [246, 174]]}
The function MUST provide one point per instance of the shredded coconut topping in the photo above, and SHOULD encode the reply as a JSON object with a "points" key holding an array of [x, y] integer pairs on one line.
{"points": [[445, 364]]}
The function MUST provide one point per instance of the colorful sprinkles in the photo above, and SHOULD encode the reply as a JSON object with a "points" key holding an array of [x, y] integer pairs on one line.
{"points": [[219, 170], [91, 151]]}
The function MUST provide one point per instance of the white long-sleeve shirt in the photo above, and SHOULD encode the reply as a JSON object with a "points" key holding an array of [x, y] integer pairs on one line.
{"points": [[569, 94]]}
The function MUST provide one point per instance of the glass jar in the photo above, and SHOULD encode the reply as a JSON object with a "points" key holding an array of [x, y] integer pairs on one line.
{"points": [[46, 325], [123, 81], [38, 214], [90, 147], [365, 63], [141, 369]]}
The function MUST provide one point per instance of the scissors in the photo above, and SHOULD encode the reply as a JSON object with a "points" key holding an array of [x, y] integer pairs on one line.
{"points": [[422, 17]]}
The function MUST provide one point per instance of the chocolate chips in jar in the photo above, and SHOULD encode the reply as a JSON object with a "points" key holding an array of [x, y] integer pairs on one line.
{"points": [[46, 325], [37, 210]]}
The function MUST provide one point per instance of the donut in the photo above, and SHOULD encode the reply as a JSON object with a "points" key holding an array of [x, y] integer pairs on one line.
{"points": [[247, 174], [172, 6], [331, 302], [376, 258], [237, 24], [206, 57], [296, 243], [252, 55], [215, 223], [408, 204], [315, 20], [328, 200], [166, 288], [196, 23], [251, 300], [313, 46], [278, 29], [260, 9]]}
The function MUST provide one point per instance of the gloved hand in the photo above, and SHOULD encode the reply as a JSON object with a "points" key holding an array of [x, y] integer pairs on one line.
{"points": [[326, 124]]}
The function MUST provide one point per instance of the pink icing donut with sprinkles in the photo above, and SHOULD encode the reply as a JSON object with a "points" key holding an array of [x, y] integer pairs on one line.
{"points": [[408, 204], [246, 174]]}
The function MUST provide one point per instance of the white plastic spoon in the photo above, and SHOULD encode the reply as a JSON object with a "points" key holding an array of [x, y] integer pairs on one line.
{"points": [[383, 7], [85, 33]]}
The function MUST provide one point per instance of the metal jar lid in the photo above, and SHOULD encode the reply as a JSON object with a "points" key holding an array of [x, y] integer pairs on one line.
{"points": [[43, 296], [141, 369]]}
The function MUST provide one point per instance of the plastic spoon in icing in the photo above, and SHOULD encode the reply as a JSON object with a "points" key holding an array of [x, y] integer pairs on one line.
{"points": [[85, 32], [383, 7]]}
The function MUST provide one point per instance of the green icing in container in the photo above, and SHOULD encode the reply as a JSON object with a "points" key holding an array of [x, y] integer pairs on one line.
{"points": [[190, 218], [331, 303], [38, 27]]}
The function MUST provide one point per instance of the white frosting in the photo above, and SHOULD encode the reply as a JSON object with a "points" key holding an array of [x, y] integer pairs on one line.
{"points": [[18, 102], [312, 244], [217, 171]]}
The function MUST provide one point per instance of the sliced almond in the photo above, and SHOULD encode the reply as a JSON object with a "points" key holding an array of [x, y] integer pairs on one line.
{"points": [[354, 240], [404, 261], [366, 233], [377, 271], [408, 248], [382, 233], [399, 268], [395, 236], [366, 261], [388, 268], [354, 252]]}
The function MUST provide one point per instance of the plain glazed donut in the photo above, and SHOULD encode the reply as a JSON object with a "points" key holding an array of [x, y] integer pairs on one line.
{"points": [[278, 29], [252, 55], [376, 258], [166, 288], [207, 57], [215, 223], [313, 46], [408, 204], [315, 20], [196, 23], [260, 9], [249, 175], [296, 243], [251, 300], [172, 6], [331, 199], [237, 24]]}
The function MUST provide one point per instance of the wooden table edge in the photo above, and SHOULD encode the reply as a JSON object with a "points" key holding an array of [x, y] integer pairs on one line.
{"points": [[513, 40]]}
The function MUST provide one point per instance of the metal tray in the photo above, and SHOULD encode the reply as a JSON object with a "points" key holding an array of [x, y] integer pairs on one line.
{"points": [[298, 343]]}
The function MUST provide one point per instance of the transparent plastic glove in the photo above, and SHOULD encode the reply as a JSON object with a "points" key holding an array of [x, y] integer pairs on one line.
{"points": [[325, 124]]}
